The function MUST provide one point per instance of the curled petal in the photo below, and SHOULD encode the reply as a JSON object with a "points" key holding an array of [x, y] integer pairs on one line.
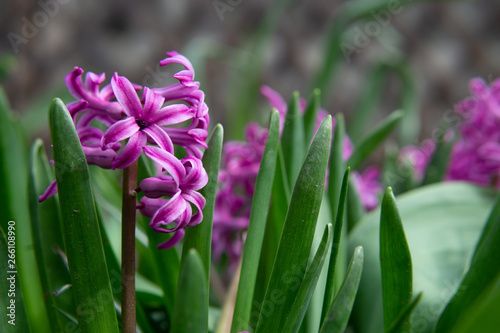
{"points": [[160, 137], [185, 76], [156, 187], [152, 103], [92, 82], [149, 206], [49, 192], [170, 213], [199, 201], [97, 156], [172, 241], [196, 177], [120, 131], [131, 152], [167, 161], [126, 96]]}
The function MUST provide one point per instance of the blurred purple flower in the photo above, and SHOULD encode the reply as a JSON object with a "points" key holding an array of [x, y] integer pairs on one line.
{"points": [[475, 157], [368, 186], [418, 157]]}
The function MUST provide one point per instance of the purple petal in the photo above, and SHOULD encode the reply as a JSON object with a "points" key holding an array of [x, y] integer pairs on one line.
{"points": [[167, 161], [171, 115], [156, 187], [152, 103], [49, 192], [199, 201], [131, 152], [148, 206], [172, 241], [169, 213], [126, 96], [92, 82], [196, 177], [160, 137], [120, 131], [74, 83], [97, 156]]}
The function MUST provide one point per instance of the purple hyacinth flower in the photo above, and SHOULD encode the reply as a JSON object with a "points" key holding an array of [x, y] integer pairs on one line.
{"points": [[418, 157], [142, 122], [184, 179], [475, 155], [368, 186]]}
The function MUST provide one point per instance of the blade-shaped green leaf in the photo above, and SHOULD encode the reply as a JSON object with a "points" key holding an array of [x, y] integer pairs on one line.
{"points": [[398, 325], [48, 239], [305, 292], [339, 221], [310, 115], [298, 232], [191, 315], [256, 227], [87, 264], [12, 314], [483, 270], [292, 140], [341, 307], [14, 199], [355, 209], [439, 163], [395, 261], [482, 314], [367, 144], [199, 237]]}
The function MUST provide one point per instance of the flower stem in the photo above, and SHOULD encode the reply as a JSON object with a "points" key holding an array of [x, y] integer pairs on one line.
{"points": [[128, 248]]}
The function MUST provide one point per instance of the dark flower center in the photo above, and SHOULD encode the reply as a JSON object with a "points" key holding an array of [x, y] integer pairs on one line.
{"points": [[142, 124]]}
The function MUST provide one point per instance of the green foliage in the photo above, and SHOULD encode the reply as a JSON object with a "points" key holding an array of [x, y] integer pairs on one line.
{"points": [[84, 249]]}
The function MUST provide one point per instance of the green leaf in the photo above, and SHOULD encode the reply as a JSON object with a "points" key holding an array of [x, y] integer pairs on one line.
{"points": [[404, 315], [368, 143], [395, 261], [14, 199], [438, 164], [355, 209], [292, 140], [311, 115], [48, 239], [483, 270], [256, 227], [339, 221], [365, 108], [308, 285], [442, 223], [482, 314], [298, 232], [12, 316], [87, 264], [199, 237], [191, 315], [341, 307]]}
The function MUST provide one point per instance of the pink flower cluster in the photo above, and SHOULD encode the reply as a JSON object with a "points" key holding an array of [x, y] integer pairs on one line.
{"points": [[153, 125]]}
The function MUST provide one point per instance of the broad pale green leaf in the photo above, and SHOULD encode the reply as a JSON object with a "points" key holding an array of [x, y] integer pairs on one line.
{"points": [[14, 199], [395, 261], [337, 235], [48, 239], [292, 141], [298, 232], [341, 307], [442, 223], [87, 264], [256, 227], [484, 269], [199, 237], [191, 315], [369, 142], [305, 292], [12, 314]]}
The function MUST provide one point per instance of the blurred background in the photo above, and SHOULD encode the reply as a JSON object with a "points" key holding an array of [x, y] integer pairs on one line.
{"points": [[368, 57]]}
